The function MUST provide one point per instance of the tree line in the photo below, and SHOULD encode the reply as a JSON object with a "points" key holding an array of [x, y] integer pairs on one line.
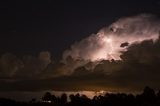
{"points": [[147, 98]]}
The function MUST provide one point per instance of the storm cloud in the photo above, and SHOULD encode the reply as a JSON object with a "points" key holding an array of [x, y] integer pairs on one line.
{"points": [[110, 41], [124, 56], [140, 67], [24, 67]]}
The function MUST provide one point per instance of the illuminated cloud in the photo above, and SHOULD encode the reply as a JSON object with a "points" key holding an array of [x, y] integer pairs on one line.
{"points": [[140, 67], [111, 41], [123, 56]]}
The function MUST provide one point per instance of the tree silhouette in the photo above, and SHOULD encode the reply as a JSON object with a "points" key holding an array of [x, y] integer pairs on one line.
{"points": [[33, 100], [149, 94], [47, 97], [146, 98], [63, 98]]}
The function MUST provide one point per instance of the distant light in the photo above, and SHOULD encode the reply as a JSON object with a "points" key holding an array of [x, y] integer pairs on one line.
{"points": [[47, 101]]}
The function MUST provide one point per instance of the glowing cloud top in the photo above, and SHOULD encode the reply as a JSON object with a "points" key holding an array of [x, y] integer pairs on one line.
{"points": [[110, 41]]}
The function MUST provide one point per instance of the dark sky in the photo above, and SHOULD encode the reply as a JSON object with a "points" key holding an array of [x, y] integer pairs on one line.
{"points": [[34, 34], [28, 27]]}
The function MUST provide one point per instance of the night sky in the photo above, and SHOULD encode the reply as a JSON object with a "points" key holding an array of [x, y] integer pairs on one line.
{"points": [[31, 27], [34, 36]]}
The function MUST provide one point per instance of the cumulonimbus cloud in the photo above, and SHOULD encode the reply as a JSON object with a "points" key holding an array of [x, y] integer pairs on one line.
{"points": [[111, 41]]}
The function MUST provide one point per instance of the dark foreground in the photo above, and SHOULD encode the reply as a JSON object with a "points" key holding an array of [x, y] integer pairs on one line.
{"points": [[147, 98]]}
